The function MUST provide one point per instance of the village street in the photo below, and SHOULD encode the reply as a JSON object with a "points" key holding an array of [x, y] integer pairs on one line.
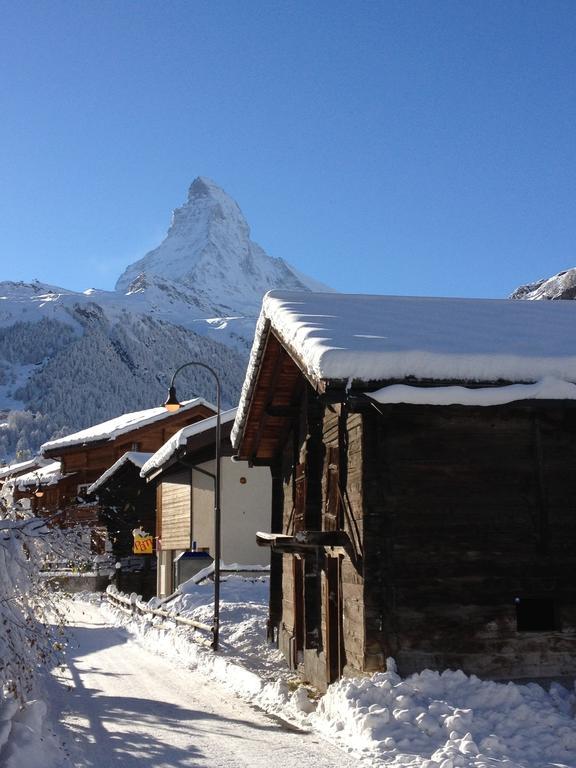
{"points": [[119, 706]]}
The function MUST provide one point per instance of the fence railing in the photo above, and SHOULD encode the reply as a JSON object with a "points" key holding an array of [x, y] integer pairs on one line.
{"points": [[134, 605]]}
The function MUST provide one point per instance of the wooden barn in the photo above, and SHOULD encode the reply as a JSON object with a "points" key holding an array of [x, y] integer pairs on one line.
{"points": [[424, 492]]}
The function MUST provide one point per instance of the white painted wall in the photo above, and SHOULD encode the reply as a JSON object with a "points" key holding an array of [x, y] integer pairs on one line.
{"points": [[245, 509]]}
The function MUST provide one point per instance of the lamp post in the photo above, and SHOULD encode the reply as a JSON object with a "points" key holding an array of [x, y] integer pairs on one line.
{"points": [[173, 404]]}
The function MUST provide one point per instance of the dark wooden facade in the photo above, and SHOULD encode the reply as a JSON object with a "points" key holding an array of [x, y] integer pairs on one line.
{"points": [[126, 502], [443, 536]]}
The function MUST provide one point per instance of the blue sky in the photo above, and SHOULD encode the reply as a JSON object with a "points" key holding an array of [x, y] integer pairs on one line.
{"points": [[417, 147]]}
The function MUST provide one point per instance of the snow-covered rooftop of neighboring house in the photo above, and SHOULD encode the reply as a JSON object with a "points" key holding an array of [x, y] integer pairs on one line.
{"points": [[170, 447], [361, 338], [137, 458], [22, 466], [113, 428], [49, 474]]}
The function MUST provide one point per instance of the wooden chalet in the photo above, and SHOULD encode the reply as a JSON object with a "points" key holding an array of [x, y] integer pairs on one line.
{"points": [[127, 503], [183, 472], [10, 472], [422, 454], [86, 455]]}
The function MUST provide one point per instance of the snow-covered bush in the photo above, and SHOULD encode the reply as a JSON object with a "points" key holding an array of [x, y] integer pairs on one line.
{"points": [[31, 622]]}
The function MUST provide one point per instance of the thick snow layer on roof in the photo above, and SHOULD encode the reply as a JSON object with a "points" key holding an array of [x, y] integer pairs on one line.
{"points": [[170, 447], [113, 428], [49, 474], [12, 469], [358, 338], [546, 389], [137, 458]]}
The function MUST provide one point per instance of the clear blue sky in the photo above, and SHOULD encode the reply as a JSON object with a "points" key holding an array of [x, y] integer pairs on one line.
{"points": [[422, 147]]}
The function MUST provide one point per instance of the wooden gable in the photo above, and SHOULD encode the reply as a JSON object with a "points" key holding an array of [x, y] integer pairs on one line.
{"points": [[274, 402]]}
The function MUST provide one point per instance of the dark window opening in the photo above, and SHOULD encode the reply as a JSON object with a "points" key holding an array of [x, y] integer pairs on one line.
{"points": [[536, 614]]}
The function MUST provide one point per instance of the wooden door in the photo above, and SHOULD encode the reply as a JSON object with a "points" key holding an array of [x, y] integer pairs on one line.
{"points": [[333, 615]]}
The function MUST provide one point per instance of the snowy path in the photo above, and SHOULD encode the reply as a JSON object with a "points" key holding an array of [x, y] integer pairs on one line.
{"points": [[128, 708]]}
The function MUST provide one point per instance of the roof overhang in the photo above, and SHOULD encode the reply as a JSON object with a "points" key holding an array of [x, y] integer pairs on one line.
{"points": [[273, 402]]}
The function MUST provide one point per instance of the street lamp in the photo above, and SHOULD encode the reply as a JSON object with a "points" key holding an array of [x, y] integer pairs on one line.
{"points": [[38, 491], [172, 404]]}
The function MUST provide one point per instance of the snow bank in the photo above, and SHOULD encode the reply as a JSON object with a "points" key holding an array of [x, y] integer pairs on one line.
{"points": [[428, 720], [451, 720], [25, 739]]}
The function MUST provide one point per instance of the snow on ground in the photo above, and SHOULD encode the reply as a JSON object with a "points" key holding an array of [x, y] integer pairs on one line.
{"points": [[26, 739], [121, 705], [427, 720]]}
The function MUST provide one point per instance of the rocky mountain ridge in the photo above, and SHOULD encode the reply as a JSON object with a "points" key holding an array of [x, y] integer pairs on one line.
{"points": [[560, 286]]}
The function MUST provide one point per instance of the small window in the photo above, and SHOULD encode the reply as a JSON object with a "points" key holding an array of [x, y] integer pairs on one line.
{"points": [[535, 614]]}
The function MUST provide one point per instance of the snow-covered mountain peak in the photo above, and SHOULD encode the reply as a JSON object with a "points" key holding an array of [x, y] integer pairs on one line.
{"points": [[560, 286], [208, 249]]}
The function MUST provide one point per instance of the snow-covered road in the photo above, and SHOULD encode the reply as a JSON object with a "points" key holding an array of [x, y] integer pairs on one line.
{"points": [[120, 706]]}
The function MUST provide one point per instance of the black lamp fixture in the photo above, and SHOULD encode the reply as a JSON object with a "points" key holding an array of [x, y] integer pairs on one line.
{"points": [[172, 404]]}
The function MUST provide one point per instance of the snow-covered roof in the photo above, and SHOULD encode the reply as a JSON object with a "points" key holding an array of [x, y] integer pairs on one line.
{"points": [[49, 474], [21, 467], [170, 447], [362, 338], [113, 428], [545, 389], [137, 458]]}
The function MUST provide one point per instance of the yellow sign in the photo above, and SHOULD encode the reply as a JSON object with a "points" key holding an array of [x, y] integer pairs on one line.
{"points": [[143, 542]]}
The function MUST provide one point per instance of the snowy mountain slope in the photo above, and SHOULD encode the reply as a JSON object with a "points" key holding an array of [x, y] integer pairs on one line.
{"points": [[78, 358], [560, 286], [208, 249]]}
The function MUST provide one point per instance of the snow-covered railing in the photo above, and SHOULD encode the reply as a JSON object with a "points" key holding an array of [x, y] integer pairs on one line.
{"points": [[133, 603]]}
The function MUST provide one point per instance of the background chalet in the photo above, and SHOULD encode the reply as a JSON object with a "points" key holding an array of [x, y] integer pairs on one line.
{"points": [[183, 472], [85, 455]]}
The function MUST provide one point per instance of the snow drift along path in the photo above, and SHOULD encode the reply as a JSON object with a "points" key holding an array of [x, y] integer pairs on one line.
{"points": [[120, 706]]}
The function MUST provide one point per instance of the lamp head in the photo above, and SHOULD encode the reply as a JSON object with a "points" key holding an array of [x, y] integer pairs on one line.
{"points": [[38, 493], [172, 403]]}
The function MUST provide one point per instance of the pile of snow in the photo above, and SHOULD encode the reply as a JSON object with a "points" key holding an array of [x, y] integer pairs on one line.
{"points": [[25, 738], [243, 617], [428, 720], [451, 720]]}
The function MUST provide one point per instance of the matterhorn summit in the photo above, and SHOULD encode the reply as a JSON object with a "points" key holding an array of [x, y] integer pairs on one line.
{"points": [[208, 250], [69, 359]]}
